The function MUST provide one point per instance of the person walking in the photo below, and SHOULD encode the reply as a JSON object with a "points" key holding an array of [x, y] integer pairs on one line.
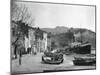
{"points": [[21, 49], [20, 55]]}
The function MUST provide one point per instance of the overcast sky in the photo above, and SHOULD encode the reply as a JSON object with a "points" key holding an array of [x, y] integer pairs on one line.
{"points": [[52, 15]]}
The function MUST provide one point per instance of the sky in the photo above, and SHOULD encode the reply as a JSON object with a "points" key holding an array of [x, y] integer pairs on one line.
{"points": [[51, 15]]}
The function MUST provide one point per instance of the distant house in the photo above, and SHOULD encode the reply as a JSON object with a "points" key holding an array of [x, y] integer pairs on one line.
{"points": [[36, 40], [41, 39], [29, 41]]}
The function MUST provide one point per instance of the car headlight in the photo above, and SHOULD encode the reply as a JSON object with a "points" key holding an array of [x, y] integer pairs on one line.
{"points": [[47, 58]]}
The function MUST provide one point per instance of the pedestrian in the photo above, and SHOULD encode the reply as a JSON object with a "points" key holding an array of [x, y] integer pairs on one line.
{"points": [[20, 55]]}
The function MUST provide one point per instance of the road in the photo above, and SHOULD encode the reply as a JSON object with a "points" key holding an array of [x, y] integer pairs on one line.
{"points": [[33, 63]]}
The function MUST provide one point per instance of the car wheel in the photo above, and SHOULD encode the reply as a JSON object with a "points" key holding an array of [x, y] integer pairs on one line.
{"points": [[42, 58], [62, 60]]}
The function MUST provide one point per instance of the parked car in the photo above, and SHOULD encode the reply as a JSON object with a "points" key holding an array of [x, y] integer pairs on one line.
{"points": [[85, 61], [52, 57]]}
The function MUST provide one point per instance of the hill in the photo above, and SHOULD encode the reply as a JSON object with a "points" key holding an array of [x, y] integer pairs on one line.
{"points": [[57, 30], [62, 36]]}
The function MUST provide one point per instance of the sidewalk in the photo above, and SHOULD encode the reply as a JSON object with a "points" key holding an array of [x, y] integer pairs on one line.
{"points": [[29, 64]]}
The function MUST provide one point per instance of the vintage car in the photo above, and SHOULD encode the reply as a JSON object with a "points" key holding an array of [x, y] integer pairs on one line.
{"points": [[85, 61], [52, 57]]}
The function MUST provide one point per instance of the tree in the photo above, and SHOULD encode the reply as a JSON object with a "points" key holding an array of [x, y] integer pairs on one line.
{"points": [[19, 12], [20, 20]]}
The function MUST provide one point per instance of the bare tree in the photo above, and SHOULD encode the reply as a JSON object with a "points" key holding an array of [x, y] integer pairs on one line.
{"points": [[21, 19], [21, 13]]}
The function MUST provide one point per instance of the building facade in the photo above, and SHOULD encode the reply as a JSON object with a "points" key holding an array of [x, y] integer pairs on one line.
{"points": [[36, 40]]}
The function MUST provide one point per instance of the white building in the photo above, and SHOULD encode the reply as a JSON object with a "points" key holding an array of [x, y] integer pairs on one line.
{"points": [[30, 40], [45, 40]]}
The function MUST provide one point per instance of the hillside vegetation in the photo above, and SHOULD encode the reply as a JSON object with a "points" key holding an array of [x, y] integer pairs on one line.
{"points": [[62, 36]]}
